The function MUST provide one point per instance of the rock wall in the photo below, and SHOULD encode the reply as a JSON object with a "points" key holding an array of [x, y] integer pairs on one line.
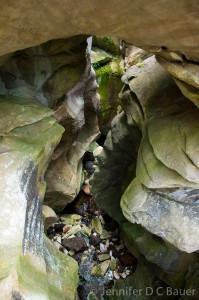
{"points": [[29, 134], [161, 191], [142, 23], [57, 75], [106, 59]]}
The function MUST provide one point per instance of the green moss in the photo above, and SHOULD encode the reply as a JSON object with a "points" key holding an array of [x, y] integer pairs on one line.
{"points": [[109, 80], [96, 65], [107, 43], [30, 278], [104, 70]]}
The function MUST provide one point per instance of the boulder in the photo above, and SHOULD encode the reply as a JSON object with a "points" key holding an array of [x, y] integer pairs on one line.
{"points": [[49, 216], [26, 146], [167, 165], [78, 114], [116, 166], [108, 74]]}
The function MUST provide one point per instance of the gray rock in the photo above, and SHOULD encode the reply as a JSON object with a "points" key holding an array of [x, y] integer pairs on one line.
{"points": [[49, 216]]}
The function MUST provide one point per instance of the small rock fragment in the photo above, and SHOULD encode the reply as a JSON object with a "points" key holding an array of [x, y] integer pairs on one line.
{"points": [[49, 216], [100, 269], [116, 275], [113, 264], [123, 275], [58, 239], [71, 219], [77, 244], [103, 248], [65, 251], [86, 230], [71, 252], [66, 228], [86, 189], [104, 235], [96, 224], [94, 240], [97, 151], [103, 257], [72, 231], [127, 259]]}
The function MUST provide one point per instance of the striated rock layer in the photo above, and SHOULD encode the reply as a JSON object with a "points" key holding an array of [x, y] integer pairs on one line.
{"points": [[160, 23], [158, 193], [27, 142]]}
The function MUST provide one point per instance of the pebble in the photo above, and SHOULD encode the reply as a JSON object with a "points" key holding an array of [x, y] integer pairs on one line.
{"points": [[96, 224], [116, 275], [72, 231], [94, 240], [71, 252], [113, 264], [127, 259], [66, 228], [103, 257], [86, 189], [71, 219], [77, 244], [104, 234], [100, 269], [103, 248], [86, 230], [123, 275], [107, 243]]}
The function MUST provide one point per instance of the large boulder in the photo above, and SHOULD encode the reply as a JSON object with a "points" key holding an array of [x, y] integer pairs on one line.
{"points": [[58, 73], [77, 112], [106, 58], [161, 199], [116, 166], [167, 164], [29, 134]]}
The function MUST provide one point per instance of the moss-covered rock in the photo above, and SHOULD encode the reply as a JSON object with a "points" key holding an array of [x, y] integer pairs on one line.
{"points": [[109, 81], [28, 267], [107, 43], [62, 273]]}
